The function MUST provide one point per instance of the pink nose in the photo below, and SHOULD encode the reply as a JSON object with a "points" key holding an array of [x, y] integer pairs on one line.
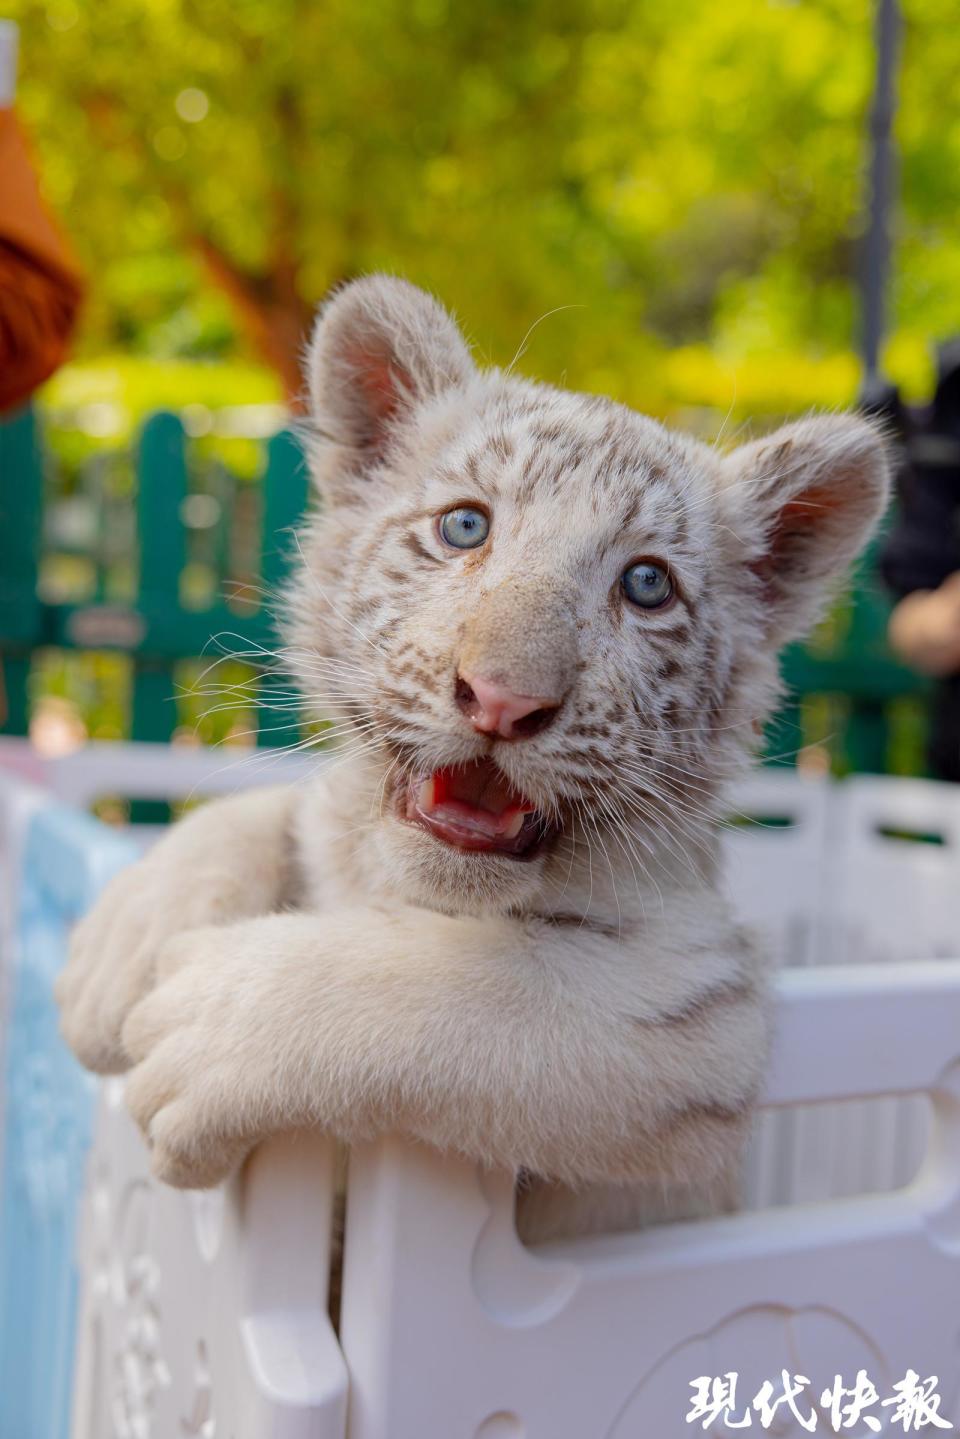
{"points": [[495, 710]]}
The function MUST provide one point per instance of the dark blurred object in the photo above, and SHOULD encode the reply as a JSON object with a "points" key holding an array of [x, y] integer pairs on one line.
{"points": [[40, 284], [876, 251], [923, 547], [881, 400], [922, 550]]}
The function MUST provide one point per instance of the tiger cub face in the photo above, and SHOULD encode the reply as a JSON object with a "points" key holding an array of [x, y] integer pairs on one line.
{"points": [[545, 625]]}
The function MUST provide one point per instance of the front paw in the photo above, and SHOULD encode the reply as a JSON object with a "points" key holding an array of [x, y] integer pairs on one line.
{"points": [[110, 967], [198, 1043], [113, 955]]}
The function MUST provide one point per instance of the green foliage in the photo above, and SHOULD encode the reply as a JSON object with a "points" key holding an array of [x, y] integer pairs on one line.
{"points": [[133, 387], [680, 176]]}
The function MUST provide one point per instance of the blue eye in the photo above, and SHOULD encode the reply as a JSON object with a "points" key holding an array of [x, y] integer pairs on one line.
{"points": [[646, 584], [464, 528]]}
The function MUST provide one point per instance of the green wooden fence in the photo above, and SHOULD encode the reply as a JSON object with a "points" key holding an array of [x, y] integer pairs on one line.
{"points": [[156, 624], [850, 704], [849, 700]]}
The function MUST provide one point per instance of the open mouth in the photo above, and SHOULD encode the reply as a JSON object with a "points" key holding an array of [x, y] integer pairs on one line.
{"points": [[474, 807]]}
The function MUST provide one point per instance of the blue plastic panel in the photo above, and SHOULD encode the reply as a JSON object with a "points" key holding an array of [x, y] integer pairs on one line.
{"points": [[49, 1100]]}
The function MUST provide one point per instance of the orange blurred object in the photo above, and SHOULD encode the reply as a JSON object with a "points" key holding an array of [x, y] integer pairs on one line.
{"points": [[40, 282]]}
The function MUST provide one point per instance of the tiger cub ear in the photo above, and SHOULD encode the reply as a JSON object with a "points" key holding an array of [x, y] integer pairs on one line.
{"points": [[801, 504], [380, 347]]}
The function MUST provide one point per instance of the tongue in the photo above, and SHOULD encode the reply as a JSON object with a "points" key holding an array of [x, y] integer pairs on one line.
{"points": [[476, 799]]}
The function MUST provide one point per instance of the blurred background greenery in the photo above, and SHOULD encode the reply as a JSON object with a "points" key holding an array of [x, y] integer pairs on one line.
{"points": [[662, 203], [688, 178]]}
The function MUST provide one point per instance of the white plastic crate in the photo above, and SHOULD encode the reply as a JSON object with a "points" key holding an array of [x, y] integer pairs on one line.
{"points": [[866, 871], [898, 890], [778, 873], [897, 897], [450, 1328], [206, 1314], [176, 773], [777, 860]]}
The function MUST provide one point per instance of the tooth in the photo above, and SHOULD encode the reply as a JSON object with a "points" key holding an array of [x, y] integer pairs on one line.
{"points": [[427, 795], [515, 825]]}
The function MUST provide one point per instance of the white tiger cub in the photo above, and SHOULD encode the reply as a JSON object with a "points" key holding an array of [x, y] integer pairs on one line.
{"points": [[547, 628]]}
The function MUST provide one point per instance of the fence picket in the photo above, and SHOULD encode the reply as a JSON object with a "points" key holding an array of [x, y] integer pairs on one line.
{"points": [[284, 501], [161, 491], [21, 500]]}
